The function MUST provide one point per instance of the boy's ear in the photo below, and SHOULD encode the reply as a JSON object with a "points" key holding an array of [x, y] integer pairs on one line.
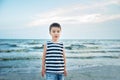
{"points": [[50, 33]]}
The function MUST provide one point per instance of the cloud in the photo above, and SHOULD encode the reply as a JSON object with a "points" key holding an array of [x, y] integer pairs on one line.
{"points": [[76, 14]]}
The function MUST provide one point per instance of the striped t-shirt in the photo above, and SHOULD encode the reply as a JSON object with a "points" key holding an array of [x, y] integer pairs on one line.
{"points": [[54, 57]]}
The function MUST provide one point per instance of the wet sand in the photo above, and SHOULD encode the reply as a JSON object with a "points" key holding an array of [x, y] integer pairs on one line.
{"points": [[91, 73]]}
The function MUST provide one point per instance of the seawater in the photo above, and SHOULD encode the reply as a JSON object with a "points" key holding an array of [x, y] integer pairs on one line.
{"points": [[24, 55]]}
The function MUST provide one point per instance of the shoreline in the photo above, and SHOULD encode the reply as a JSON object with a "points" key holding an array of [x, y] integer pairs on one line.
{"points": [[92, 73], [95, 73]]}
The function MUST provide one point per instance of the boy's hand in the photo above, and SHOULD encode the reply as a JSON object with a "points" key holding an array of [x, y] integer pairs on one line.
{"points": [[43, 72], [65, 72]]}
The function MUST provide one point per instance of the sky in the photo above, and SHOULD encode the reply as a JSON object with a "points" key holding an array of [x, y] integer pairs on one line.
{"points": [[79, 19]]}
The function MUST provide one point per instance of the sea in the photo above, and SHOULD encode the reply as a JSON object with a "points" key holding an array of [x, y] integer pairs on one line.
{"points": [[25, 55]]}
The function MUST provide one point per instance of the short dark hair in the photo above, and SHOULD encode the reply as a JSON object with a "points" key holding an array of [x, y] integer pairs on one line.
{"points": [[54, 25]]}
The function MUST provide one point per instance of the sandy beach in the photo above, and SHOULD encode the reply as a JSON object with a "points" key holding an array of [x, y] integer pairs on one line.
{"points": [[95, 73], [91, 73]]}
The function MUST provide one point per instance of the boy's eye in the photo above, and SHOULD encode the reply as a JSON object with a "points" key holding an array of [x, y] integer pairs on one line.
{"points": [[58, 31], [53, 31]]}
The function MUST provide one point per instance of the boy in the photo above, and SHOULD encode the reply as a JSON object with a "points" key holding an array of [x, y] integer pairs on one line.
{"points": [[53, 59]]}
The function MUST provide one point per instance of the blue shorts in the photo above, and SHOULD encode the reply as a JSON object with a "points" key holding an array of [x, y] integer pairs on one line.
{"points": [[54, 76]]}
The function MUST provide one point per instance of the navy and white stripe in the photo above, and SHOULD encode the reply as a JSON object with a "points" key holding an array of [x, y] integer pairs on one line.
{"points": [[54, 57]]}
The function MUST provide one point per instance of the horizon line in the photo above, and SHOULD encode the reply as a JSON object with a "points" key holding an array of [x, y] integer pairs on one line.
{"points": [[64, 39]]}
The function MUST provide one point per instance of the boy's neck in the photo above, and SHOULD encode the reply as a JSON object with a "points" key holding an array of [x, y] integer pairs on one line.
{"points": [[55, 40]]}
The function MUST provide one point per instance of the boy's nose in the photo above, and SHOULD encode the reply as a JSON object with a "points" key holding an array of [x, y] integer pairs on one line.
{"points": [[56, 33]]}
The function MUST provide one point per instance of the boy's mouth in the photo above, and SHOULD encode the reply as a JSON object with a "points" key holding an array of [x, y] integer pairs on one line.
{"points": [[56, 36]]}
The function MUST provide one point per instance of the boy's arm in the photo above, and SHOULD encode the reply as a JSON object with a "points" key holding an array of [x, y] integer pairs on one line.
{"points": [[65, 72], [43, 60]]}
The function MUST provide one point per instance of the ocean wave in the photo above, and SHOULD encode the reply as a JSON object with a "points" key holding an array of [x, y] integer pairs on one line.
{"points": [[13, 45], [37, 47], [4, 44], [32, 43], [9, 45], [14, 50], [19, 58], [68, 57], [19, 48], [81, 46], [75, 46], [91, 43], [6, 67], [92, 51], [92, 57]]}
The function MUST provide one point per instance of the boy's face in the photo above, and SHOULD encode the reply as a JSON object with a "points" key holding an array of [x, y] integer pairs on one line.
{"points": [[55, 33]]}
